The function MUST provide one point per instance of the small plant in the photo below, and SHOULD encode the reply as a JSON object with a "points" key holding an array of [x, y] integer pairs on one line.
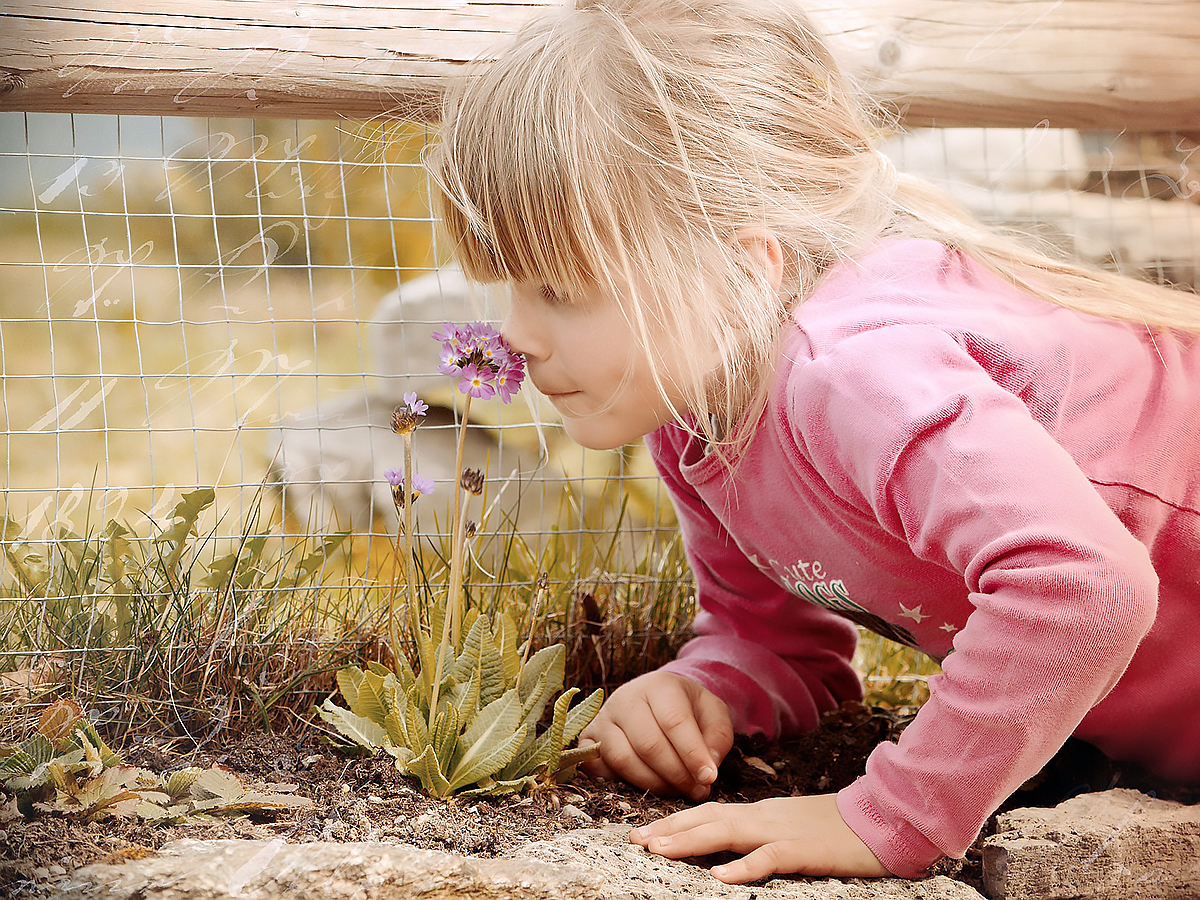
{"points": [[66, 769], [180, 630], [465, 719]]}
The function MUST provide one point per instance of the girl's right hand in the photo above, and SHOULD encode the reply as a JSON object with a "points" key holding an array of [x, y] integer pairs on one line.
{"points": [[663, 733]]}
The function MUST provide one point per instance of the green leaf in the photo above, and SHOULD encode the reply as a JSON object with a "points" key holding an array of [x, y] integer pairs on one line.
{"points": [[185, 515], [179, 784], [550, 661], [572, 758], [488, 741], [581, 715], [446, 730], [425, 767], [348, 681], [415, 718], [548, 747], [506, 641], [26, 758], [468, 661], [466, 697], [373, 697], [310, 566], [359, 729], [486, 758]]}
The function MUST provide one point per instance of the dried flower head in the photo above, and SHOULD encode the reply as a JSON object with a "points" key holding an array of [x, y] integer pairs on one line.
{"points": [[482, 359], [472, 480], [469, 531], [406, 416]]}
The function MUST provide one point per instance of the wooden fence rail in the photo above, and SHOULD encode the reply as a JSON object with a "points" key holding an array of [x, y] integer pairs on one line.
{"points": [[1078, 63]]}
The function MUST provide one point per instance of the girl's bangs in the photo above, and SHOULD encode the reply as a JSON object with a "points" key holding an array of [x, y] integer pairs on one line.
{"points": [[526, 192]]}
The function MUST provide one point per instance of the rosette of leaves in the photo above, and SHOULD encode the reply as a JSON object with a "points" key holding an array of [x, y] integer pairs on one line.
{"points": [[66, 769], [485, 737]]}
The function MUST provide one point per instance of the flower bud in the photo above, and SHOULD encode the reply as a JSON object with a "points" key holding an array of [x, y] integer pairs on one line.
{"points": [[472, 480]]}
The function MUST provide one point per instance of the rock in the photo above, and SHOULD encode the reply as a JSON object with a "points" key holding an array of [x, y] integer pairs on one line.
{"points": [[274, 870], [1115, 845], [587, 864]]}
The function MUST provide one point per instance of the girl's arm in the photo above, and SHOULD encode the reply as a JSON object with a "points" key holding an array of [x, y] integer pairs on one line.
{"points": [[906, 424], [778, 661]]}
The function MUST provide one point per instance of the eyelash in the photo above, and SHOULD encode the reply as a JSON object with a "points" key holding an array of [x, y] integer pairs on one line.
{"points": [[549, 296]]}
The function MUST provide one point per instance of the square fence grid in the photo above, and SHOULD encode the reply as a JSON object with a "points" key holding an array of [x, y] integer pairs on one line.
{"points": [[191, 302]]}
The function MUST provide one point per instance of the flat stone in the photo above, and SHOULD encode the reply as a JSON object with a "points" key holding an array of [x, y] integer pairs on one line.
{"points": [[1113, 845], [587, 864], [275, 870]]}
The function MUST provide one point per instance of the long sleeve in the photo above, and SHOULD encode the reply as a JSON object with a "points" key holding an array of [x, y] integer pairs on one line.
{"points": [[906, 425], [777, 661]]}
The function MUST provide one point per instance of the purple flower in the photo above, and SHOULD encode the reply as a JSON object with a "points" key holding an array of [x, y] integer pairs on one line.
{"points": [[509, 378], [415, 406], [420, 486], [482, 359], [477, 382]]}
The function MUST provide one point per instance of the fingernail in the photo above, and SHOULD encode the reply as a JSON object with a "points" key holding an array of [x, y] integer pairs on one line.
{"points": [[708, 774], [642, 831], [664, 840]]}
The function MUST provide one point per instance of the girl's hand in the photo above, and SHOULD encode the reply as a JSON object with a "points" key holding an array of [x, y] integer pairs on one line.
{"points": [[783, 835], [663, 733]]}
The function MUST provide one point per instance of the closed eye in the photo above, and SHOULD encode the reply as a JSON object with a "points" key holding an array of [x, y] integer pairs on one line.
{"points": [[549, 295]]}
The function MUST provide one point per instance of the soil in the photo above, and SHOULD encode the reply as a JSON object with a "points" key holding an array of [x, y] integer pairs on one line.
{"points": [[357, 798]]}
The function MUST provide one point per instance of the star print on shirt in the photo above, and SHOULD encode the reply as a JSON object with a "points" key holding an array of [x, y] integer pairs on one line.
{"points": [[915, 613], [948, 627]]}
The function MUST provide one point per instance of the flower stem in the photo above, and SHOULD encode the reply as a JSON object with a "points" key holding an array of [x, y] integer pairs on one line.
{"points": [[414, 610], [458, 534]]}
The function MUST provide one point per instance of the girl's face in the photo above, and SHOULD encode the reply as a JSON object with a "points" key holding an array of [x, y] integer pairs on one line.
{"points": [[584, 357]]}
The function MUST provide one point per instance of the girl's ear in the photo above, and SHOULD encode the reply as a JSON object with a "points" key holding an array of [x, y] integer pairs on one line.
{"points": [[763, 248]]}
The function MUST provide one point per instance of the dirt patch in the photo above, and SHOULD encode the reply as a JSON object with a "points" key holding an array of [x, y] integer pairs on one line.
{"points": [[359, 798]]}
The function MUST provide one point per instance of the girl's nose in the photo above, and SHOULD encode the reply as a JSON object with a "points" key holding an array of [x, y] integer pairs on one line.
{"points": [[520, 328]]}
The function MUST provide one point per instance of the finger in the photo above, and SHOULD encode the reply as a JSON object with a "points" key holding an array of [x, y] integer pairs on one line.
{"points": [[680, 727], [625, 762], [713, 719], [769, 859], [654, 747], [713, 836]]}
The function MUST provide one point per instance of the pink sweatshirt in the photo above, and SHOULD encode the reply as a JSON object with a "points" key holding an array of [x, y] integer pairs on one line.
{"points": [[1010, 486]]}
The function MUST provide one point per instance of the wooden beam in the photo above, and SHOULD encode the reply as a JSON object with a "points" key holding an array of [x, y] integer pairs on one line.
{"points": [[1078, 63]]}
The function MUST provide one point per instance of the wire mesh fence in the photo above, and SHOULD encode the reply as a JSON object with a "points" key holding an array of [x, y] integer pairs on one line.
{"points": [[239, 304]]}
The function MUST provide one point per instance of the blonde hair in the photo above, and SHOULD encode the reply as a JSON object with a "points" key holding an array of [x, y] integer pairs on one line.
{"points": [[631, 144]]}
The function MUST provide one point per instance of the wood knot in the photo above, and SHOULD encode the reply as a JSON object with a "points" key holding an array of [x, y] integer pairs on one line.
{"points": [[10, 80]]}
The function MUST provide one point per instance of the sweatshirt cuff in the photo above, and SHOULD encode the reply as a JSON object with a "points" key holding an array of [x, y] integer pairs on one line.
{"points": [[902, 849]]}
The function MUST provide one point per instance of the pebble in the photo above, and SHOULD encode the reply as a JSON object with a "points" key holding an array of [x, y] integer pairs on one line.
{"points": [[573, 812]]}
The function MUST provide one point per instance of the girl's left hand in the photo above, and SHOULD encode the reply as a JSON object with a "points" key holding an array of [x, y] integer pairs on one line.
{"points": [[783, 835]]}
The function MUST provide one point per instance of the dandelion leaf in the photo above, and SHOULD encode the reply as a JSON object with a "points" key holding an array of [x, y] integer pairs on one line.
{"points": [[184, 517], [348, 681]]}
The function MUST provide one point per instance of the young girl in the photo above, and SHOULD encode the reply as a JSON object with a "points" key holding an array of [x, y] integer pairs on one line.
{"points": [[867, 408]]}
